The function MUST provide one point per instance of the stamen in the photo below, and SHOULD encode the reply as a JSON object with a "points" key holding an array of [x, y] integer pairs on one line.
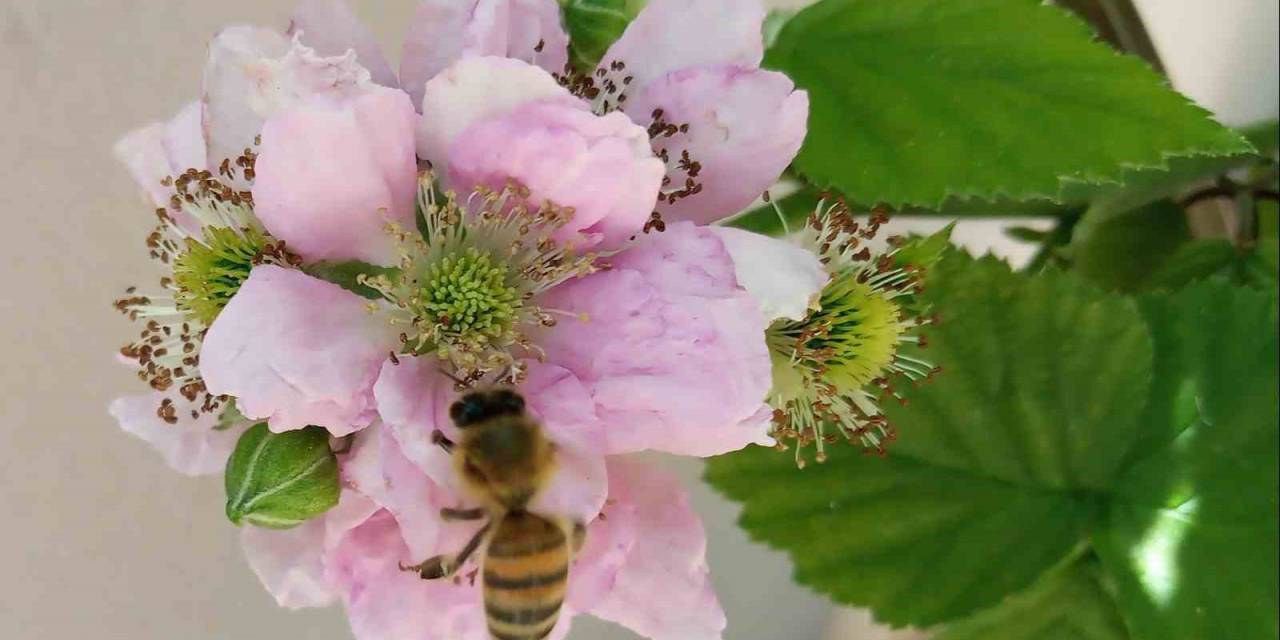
{"points": [[467, 285], [830, 367]]}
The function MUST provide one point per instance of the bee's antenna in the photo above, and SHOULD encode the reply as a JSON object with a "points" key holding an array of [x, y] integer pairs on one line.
{"points": [[458, 382]]}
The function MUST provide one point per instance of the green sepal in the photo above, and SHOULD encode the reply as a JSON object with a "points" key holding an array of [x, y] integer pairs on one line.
{"points": [[594, 25], [280, 480], [347, 275]]}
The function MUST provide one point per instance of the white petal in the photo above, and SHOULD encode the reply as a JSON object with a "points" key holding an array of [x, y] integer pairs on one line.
{"points": [[192, 446], [332, 29], [784, 279], [290, 563], [678, 34], [252, 72]]}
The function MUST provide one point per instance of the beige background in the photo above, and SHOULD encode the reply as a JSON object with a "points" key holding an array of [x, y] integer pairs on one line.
{"points": [[97, 538]]}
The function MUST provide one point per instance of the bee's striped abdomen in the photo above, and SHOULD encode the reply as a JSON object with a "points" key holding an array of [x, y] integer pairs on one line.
{"points": [[526, 569]]}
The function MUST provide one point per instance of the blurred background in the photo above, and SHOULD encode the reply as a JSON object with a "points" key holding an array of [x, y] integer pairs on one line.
{"points": [[99, 538]]}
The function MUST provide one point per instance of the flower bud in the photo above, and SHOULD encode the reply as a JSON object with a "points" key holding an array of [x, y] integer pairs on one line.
{"points": [[279, 480]]}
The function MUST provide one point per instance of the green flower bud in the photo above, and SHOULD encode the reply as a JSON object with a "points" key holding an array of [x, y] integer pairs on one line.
{"points": [[279, 480]]}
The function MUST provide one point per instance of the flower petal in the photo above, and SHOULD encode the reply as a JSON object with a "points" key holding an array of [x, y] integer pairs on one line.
{"points": [[290, 563], [601, 166], [669, 35], [672, 350], [163, 149], [377, 468], [251, 73], [231, 72], [191, 447], [332, 29], [473, 90], [330, 176], [745, 126], [663, 590], [297, 351], [413, 399], [444, 31], [784, 278], [385, 603]]}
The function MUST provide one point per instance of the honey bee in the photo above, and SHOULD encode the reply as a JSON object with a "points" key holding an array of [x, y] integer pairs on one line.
{"points": [[504, 459]]}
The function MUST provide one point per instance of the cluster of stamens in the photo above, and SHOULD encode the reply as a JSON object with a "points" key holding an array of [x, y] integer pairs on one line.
{"points": [[605, 88], [834, 367], [207, 241], [466, 285]]}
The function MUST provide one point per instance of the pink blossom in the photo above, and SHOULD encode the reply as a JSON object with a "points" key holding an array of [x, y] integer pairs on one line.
{"points": [[661, 348]]}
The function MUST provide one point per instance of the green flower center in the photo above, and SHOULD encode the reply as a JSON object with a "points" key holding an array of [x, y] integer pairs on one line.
{"points": [[468, 293], [467, 284], [209, 271]]}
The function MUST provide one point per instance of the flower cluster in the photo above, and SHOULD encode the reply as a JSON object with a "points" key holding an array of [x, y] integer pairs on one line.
{"points": [[345, 247]]}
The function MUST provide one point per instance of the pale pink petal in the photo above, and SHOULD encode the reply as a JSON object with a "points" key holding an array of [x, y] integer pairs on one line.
{"points": [[377, 468], [536, 34], [563, 404], [669, 35], [290, 563], [192, 446], [609, 540], [577, 490], [444, 31], [672, 348], [785, 279], [230, 74], [745, 126], [332, 29], [332, 175], [251, 73], [384, 603], [601, 166], [413, 400], [476, 89], [297, 351], [163, 149], [663, 590]]}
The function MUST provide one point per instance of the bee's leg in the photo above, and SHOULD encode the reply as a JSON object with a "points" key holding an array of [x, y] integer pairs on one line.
{"points": [[445, 566], [579, 536], [450, 515], [439, 438]]}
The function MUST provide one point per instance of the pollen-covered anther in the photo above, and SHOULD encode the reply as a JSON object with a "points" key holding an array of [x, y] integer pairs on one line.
{"points": [[605, 88], [832, 368], [467, 285], [207, 241]]}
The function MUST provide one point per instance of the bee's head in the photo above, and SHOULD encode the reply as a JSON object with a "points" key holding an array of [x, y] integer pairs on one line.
{"points": [[486, 404]]}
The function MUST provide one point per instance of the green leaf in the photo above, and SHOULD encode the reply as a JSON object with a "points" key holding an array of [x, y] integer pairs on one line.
{"points": [[1066, 605], [594, 25], [1193, 261], [913, 101], [1191, 536], [924, 251], [279, 480], [1123, 251], [346, 275], [997, 472]]}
